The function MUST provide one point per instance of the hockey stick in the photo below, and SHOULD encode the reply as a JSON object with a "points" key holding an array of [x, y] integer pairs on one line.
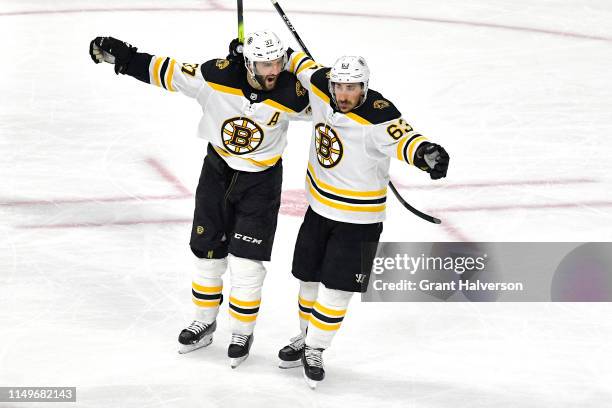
{"points": [[290, 27], [240, 22], [410, 208]]}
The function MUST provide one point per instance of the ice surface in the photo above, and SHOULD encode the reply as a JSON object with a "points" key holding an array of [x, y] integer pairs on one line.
{"points": [[98, 173]]}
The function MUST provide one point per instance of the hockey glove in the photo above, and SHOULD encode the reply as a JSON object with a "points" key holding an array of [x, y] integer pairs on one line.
{"points": [[113, 51], [235, 52], [433, 159]]}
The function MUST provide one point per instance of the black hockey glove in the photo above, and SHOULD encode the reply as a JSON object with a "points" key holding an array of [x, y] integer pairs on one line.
{"points": [[235, 52], [433, 159], [113, 51]]}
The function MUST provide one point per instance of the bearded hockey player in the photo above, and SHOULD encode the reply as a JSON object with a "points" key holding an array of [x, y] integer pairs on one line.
{"points": [[355, 133], [246, 107]]}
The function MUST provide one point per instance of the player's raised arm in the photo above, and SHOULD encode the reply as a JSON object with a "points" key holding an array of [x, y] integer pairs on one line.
{"points": [[302, 66], [396, 138], [160, 71]]}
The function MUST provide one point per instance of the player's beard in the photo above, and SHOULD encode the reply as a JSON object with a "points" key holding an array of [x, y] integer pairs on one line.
{"points": [[265, 83]]}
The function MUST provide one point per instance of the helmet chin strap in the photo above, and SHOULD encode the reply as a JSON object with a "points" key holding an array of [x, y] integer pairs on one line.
{"points": [[361, 100], [252, 74]]}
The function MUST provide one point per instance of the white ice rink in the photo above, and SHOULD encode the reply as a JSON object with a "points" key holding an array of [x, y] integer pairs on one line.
{"points": [[97, 174]]}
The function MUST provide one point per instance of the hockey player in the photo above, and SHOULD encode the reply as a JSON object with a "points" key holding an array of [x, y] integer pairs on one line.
{"points": [[355, 133], [246, 107]]}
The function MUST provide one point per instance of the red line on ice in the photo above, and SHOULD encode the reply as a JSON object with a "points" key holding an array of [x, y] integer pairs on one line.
{"points": [[293, 203], [154, 163], [453, 231], [52, 201], [101, 10], [484, 184], [580, 204], [106, 224], [167, 174]]}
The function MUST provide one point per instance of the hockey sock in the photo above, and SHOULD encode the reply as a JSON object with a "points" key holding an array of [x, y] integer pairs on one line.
{"points": [[306, 299], [206, 288], [247, 279], [327, 314]]}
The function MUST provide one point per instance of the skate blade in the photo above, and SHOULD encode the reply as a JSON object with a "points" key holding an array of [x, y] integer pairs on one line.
{"points": [[187, 348], [235, 362], [311, 383], [289, 364]]}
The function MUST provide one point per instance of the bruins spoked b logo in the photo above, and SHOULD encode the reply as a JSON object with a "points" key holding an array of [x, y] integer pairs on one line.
{"points": [[241, 135], [328, 145]]}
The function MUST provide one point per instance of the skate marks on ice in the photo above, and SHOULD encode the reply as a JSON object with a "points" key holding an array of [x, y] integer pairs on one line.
{"points": [[350, 388]]}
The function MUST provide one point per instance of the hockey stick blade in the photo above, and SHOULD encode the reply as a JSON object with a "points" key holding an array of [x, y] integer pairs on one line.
{"points": [[413, 210]]}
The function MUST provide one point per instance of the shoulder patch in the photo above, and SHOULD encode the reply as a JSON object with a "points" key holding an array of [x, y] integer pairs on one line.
{"points": [[381, 104], [377, 109], [223, 72], [299, 89], [222, 63]]}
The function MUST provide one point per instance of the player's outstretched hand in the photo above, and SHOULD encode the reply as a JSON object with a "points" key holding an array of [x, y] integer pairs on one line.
{"points": [[433, 159], [113, 51], [235, 52]]}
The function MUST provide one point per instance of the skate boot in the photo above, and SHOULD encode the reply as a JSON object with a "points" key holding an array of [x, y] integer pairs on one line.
{"points": [[239, 347], [196, 335], [313, 366], [291, 355]]}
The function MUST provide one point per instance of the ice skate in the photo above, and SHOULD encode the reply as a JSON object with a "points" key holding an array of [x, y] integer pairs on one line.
{"points": [[314, 373], [195, 336], [239, 347], [291, 355]]}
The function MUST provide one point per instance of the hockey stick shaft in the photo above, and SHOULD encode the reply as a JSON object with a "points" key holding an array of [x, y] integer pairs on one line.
{"points": [[280, 11], [240, 21], [291, 28]]}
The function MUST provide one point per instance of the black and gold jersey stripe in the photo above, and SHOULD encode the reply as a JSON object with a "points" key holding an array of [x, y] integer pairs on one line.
{"points": [[223, 76], [406, 149], [286, 96], [348, 200], [343, 199]]}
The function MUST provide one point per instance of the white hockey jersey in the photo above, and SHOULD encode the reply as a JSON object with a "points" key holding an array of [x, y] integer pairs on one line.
{"points": [[348, 167], [247, 127]]}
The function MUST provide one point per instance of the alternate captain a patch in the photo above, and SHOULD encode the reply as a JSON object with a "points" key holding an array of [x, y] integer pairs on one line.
{"points": [[328, 145], [241, 135]]}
